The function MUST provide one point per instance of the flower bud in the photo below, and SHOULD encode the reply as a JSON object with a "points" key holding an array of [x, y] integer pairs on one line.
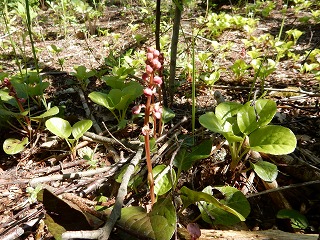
{"points": [[156, 53], [145, 76], [149, 69], [150, 49], [6, 82], [147, 92], [157, 80], [150, 56], [22, 100], [156, 64]]}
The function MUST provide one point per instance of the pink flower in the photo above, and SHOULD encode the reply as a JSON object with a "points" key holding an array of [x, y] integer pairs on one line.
{"points": [[145, 129], [150, 49], [150, 56], [157, 110], [149, 69], [156, 53], [157, 80], [137, 109], [147, 92]]}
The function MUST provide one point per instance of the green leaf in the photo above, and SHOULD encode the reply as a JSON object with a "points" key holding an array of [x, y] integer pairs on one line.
{"points": [[297, 219], [158, 224], [59, 127], [167, 115], [210, 121], [51, 112], [184, 160], [226, 110], [79, 128], [99, 98], [13, 146], [223, 121], [249, 118], [272, 139], [233, 198], [189, 197], [162, 179], [134, 89], [265, 170]]}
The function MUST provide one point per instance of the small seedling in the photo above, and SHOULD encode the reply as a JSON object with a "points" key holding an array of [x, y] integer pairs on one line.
{"points": [[83, 75], [63, 129]]}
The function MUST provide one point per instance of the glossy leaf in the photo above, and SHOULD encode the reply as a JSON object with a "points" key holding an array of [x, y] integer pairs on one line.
{"points": [[226, 128], [99, 98], [210, 121], [249, 118], [167, 115], [59, 127], [13, 146], [265, 170], [79, 128], [233, 198], [189, 197], [227, 109], [184, 159], [157, 224], [162, 179], [272, 139], [51, 112]]}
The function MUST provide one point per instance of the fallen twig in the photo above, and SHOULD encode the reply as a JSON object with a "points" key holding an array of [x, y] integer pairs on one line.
{"points": [[283, 188], [110, 169], [104, 232]]}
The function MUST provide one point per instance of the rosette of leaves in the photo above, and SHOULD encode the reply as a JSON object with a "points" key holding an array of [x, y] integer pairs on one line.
{"points": [[239, 123], [122, 94]]}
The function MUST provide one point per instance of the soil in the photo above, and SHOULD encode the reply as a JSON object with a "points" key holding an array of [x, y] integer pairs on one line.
{"points": [[298, 111]]}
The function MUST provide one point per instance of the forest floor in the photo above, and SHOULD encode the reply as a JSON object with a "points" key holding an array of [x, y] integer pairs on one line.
{"points": [[297, 110]]}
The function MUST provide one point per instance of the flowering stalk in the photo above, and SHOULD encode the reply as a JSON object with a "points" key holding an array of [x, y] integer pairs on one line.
{"points": [[154, 64]]}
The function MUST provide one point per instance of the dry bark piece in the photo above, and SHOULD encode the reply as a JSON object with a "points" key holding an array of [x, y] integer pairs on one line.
{"points": [[254, 235]]}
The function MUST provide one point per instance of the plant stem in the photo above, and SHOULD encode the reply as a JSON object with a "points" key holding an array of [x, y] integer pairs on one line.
{"points": [[193, 91], [31, 39], [174, 47], [147, 145]]}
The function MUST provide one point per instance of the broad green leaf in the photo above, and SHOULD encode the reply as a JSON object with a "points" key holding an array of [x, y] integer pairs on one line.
{"points": [[272, 139], [13, 146], [79, 128], [297, 219], [233, 198], [114, 98], [134, 89], [210, 121], [114, 82], [249, 118], [99, 98], [162, 179], [189, 197], [184, 160], [167, 115], [51, 112], [265, 170], [227, 109], [59, 127], [158, 224]]}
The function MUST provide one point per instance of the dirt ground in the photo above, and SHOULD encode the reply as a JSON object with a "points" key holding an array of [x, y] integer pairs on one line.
{"points": [[298, 111]]}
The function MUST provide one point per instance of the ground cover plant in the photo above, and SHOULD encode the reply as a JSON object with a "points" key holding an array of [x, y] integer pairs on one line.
{"points": [[159, 119]]}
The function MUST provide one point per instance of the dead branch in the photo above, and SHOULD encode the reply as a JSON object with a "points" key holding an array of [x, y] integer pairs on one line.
{"points": [[104, 232]]}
